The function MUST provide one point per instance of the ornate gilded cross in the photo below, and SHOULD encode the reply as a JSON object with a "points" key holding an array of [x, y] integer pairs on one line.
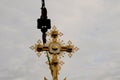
{"points": [[54, 49]]}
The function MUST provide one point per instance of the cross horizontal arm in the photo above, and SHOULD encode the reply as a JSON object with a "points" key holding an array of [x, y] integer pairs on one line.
{"points": [[67, 48], [42, 48]]}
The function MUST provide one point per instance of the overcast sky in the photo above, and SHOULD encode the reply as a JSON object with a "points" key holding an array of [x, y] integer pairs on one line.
{"points": [[92, 25]]}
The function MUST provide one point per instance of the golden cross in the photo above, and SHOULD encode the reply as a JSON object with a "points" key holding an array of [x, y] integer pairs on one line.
{"points": [[54, 48]]}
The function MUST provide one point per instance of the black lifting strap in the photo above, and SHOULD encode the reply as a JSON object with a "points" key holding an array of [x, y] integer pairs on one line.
{"points": [[43, 3], [43, 16], [43, 11], [43, 22]]}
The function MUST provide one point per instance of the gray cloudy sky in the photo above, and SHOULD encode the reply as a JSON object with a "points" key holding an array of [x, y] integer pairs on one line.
{"points": [[92, 25]]}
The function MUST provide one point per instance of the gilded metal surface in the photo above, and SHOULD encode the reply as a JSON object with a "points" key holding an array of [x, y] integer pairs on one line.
{"points": [[55, 48]]}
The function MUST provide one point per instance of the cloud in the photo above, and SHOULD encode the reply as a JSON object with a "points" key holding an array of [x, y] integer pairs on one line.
{"points": [[92, 25]]}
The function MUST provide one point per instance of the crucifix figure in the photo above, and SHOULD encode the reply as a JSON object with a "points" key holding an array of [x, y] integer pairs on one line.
{"points": [[54, 49]]}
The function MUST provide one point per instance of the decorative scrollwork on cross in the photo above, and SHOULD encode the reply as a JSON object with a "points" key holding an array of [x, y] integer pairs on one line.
{"points": [[55, 48]]}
